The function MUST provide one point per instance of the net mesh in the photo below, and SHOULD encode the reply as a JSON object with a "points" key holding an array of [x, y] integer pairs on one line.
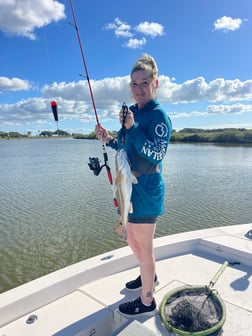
{"points": [[193, 310]]}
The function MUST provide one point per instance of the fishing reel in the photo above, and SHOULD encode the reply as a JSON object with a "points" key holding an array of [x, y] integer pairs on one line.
{"points": [[94, 165]]}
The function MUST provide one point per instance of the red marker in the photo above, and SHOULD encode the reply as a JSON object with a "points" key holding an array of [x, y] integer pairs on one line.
{"points": [[54, 107]]}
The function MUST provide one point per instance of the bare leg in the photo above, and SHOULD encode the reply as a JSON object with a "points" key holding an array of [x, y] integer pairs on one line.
{"points": [[140, 239]]}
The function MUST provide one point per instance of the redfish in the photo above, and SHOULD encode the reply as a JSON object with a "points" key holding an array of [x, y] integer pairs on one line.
{"points": [[123, 182]]}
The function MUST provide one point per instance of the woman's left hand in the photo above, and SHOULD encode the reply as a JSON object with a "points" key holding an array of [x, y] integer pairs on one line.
{"points": [[127, 121]]}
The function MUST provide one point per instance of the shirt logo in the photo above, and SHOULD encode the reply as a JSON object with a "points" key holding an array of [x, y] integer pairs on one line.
{"points": [[161, 130]]}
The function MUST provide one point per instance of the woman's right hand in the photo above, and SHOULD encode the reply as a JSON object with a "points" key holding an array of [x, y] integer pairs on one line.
{"points": [[102, 134]]}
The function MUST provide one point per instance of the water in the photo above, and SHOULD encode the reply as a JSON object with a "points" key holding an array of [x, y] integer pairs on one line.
{"points": [[55, 212]]}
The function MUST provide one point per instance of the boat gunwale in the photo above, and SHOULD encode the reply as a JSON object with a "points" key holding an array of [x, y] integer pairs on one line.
{"points": [[23, 300]]}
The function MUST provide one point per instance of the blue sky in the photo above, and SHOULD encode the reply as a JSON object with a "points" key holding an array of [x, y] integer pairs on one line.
{"points": [[203, 50]]}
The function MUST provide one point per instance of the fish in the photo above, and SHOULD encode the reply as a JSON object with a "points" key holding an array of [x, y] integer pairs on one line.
{"points": [[123, 183]]}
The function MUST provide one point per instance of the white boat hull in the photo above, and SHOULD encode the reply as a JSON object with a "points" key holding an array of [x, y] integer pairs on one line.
{"points": [[82, 299]]}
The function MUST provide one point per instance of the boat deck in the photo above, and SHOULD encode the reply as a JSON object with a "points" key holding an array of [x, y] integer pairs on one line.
{"points": [[89, 305]]}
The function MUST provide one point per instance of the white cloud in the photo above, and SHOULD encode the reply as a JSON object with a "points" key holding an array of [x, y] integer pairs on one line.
{"points": [[215, 109], [22, 17], [74, 99], [107, 92], [134, 41], [14, 84], [197, 89], [120, 28], [226, 23], [152, 29], [233, 109], [38, 111]]}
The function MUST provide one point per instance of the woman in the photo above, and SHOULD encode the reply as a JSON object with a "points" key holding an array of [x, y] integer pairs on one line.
{"points": [[146, 132]]}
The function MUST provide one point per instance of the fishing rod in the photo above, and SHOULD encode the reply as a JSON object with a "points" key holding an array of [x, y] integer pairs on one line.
{"points": [[94, 162]]}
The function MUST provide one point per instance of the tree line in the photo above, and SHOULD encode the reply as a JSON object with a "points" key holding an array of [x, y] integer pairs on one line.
{"points": [[222, 135], [191, 135]]}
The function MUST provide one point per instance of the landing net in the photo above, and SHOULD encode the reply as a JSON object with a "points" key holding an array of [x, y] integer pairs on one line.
{"points": [[196, 310]]}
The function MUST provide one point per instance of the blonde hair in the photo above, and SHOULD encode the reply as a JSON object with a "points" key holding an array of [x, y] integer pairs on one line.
{"points": [[146, 62]]}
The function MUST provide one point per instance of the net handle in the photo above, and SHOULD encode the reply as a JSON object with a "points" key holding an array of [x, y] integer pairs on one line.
{"points": [[218, 274]]}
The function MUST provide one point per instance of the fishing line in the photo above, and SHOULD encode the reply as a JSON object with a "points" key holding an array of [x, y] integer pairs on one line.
{"points": [[94, 162]]}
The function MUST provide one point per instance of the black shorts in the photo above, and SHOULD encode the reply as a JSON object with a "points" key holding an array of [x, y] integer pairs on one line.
{"points": [[142, 220]]}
